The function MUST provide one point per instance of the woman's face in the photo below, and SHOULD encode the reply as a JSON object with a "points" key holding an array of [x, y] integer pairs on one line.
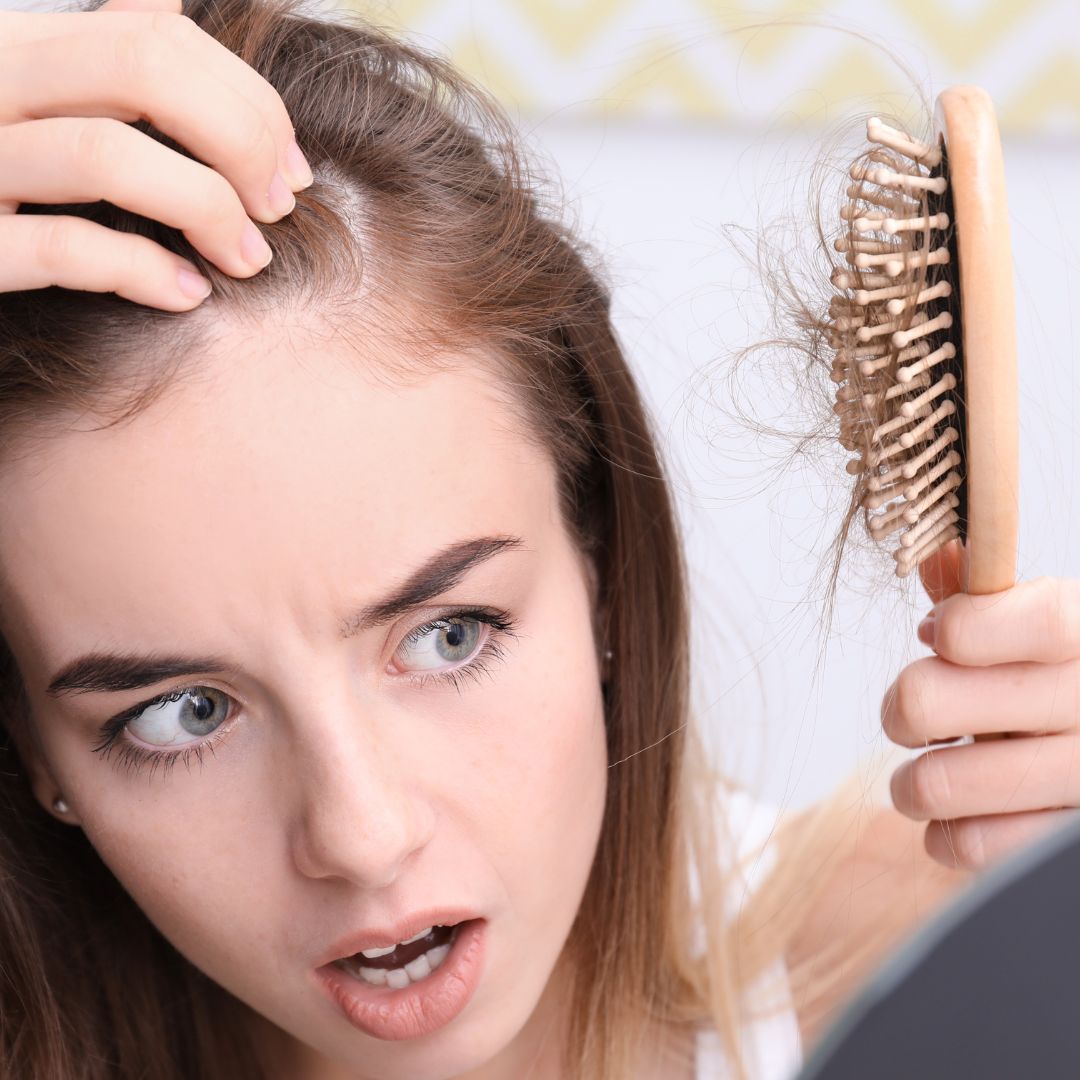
{"points": [[383, 708]]}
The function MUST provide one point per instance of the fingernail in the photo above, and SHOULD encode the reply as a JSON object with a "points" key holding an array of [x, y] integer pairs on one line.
{"points": [[281, 199], [193, 284], [298, 168], [254, 248], [928, 629]]}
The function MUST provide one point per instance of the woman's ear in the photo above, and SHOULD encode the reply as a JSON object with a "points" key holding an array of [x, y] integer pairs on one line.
{"points": [[603, 649], [49, 794], [43, 784], [25, 742]]}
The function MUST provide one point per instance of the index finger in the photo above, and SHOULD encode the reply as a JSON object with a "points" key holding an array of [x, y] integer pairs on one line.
{"points": [[136, 5], [941, 573], [1035, 620], [220, 62]]}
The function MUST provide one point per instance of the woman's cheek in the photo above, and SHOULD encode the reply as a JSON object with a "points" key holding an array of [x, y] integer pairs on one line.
{"points": [[562, 775], [180, 857]]}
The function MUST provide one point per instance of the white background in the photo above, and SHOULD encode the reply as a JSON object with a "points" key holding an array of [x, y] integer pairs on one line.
{"points": [[790, 713]]}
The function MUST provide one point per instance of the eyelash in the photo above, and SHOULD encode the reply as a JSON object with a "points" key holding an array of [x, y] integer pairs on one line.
{"points": [[479, 666], [131, 758]]}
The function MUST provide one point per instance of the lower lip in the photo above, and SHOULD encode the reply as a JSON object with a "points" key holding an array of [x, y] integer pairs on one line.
{"points": [[419, 1008]]}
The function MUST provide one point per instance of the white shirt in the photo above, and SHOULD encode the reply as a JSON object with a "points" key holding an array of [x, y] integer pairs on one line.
{"points": [[772, 1047]]}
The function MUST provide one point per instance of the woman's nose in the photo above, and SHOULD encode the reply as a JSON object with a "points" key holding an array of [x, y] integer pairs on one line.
{"points": [[361, 811]]}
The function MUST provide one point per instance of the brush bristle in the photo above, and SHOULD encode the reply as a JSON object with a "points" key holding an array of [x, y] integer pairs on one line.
{"points": [[895, 329]]}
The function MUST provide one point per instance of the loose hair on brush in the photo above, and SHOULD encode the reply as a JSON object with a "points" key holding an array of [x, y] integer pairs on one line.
{"points": [[781, 389], [794, 262], [426, 222]]}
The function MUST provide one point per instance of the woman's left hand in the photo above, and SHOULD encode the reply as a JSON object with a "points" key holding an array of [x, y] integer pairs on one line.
{"points": [[1005, 662]]}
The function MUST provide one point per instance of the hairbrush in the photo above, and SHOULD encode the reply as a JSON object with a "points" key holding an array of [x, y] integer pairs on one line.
{"points": [[924, 332]]}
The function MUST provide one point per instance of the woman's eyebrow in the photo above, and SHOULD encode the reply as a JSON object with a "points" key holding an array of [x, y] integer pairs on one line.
{"points": [[110, 673], [114, 672], [438, 575]]}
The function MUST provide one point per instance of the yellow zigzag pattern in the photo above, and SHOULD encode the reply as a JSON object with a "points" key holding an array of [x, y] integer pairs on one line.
{"points": [[964, 39], [570, 26], [755, 62], [656, 78], [1054, 93], [762, 36], [492, 71]]}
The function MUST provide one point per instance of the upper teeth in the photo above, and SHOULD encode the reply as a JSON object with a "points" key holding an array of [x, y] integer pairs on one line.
{"points": [[374, 954]]}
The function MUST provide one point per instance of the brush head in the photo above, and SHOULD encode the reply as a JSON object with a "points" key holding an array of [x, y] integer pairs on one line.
{"points": [[924, 333]]}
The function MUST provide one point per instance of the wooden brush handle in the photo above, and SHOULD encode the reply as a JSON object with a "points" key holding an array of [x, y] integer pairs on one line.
{"points": [[965, 120]]}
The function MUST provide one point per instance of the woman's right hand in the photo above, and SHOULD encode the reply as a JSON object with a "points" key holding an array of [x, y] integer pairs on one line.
{"points": [[69, 85]]}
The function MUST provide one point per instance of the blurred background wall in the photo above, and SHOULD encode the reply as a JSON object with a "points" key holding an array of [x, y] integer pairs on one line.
{"points": [[679, 130], [678, 60]]}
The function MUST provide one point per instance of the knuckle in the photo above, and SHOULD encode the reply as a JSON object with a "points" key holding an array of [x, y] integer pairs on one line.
{"points": [[950, 634], [219, 206], [54, 244], [140, 53], [95, 146], [1066, 709], [907, 715], [928, 790], [967, 844], [174, 26], [252, 139], [958, 631], [1059, 617], [1068, 593]]}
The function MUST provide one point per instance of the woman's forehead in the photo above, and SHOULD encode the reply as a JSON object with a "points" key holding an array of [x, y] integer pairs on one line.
{"points": [[277, 465]]}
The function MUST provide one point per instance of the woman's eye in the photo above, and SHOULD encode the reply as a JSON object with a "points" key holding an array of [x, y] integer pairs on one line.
{"points": [[184, 717], [443, 643]]}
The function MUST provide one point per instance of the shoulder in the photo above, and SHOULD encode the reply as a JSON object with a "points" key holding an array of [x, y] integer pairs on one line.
{"points": [[865, 907]]}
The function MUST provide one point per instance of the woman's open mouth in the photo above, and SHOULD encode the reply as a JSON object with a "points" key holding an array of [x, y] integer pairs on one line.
{"points": [[409, 962], [410, 989]]}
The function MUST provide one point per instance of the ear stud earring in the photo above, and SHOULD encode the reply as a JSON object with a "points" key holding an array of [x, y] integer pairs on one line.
{"points": [[59, 806]]}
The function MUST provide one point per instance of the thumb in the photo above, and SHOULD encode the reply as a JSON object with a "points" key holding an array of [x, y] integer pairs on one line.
{"points": [[141, 5], [940, 574]]}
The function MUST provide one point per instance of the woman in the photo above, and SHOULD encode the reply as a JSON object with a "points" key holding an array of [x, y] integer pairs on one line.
{"points": [[345, 707]]}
